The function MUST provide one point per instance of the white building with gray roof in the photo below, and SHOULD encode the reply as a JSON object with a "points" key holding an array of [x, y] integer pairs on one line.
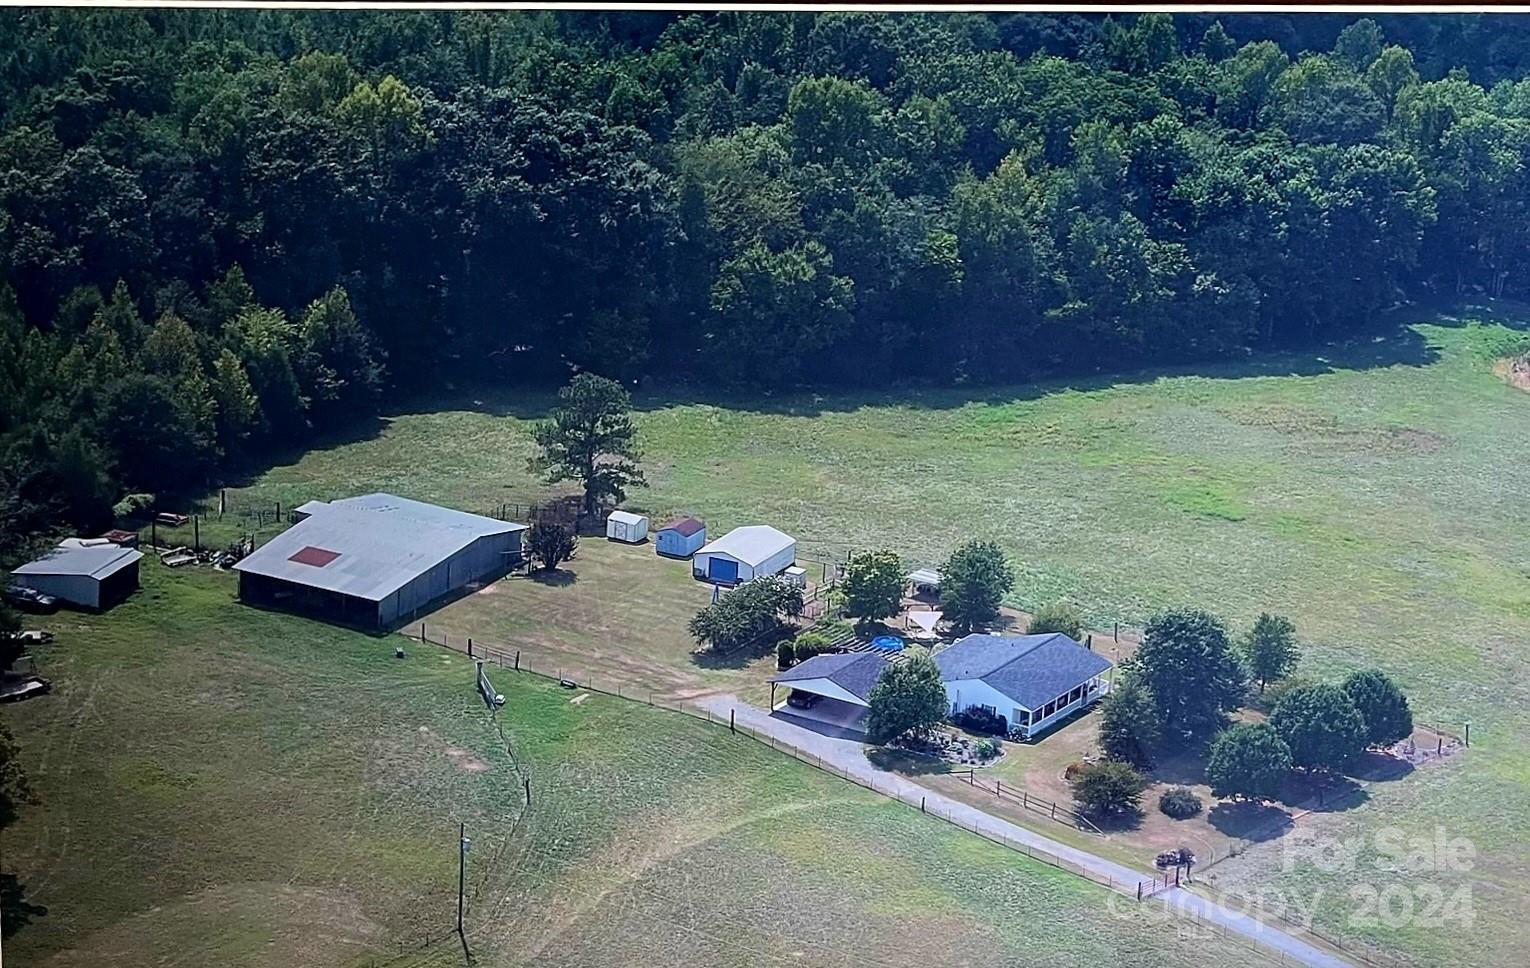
{"points": [[376, 560]]}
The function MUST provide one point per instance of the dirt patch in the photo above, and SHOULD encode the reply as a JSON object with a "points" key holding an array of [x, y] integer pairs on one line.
{"points": [[1311, 427], [464, 760]]}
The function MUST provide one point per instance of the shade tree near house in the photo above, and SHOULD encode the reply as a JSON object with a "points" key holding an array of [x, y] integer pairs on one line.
{"points": [[873, 585], [1321, 725], [1270, 649], [748, 613], [1382, 705], [973, 583], [1249, 761], [1195, 677], [11, 646], [1129, 723], [590, 438], [1108, 788], [909, 699], [1061, 617]]}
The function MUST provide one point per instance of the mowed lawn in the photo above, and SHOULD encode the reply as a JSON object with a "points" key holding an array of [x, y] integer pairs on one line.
{"points": [[228, 786], [615, 617], [1373, 493]]}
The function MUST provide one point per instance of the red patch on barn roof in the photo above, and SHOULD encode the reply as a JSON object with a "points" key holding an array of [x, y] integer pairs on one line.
{"points": [[318, 557]]}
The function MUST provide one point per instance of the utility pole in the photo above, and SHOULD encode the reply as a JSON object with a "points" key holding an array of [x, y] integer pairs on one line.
{"points": [[462, 849]]}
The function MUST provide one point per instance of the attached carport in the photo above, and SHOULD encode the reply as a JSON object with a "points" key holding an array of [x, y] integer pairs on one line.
{"points": [[843, 679]]}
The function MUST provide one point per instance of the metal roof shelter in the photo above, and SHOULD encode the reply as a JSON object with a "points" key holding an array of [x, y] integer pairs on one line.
{"points": [[377, 558], [88, 575], [1029, 669], [846, 676]]}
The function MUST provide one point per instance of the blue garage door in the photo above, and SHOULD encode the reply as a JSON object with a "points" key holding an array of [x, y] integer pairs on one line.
{"points": [[722, 569]]}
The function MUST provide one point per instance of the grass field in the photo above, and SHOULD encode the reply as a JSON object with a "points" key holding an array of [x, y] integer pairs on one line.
{"points": [[1371, 492], [221, 785]]}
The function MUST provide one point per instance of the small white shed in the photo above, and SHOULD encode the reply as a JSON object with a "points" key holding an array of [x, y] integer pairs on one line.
{"points": [[744, 554], [626, 526]]}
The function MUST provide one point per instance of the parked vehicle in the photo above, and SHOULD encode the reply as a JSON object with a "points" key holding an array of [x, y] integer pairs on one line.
{"points": [[30, 599], [802, 700], [24, 687]]}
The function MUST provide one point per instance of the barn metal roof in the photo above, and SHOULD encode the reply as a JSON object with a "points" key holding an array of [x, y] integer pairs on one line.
{"points": [[1030, 669], [377, 543], [751, 544], [96, 561]]}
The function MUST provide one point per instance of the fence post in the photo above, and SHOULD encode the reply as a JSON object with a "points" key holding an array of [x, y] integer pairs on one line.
{"points": [[921, 804], [517, 660], [527, 781], [1468, 734], [731, 725]]}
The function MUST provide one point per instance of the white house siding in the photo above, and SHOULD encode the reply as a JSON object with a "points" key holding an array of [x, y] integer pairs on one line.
{"points": [[963, 693]]}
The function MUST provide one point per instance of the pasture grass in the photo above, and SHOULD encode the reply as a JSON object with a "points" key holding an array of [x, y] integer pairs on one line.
{"points": [[242, 787], [1372, 492]]}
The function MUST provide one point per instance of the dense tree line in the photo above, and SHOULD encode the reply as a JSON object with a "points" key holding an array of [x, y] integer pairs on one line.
{"points": [[221, 230]]}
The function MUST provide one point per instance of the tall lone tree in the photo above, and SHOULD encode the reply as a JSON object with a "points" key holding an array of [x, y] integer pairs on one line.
{"points": [[1271, 649], [1248, 760], [1382, 705], [874, 585], [908, 698], [1192, 670], [589, 438], [973, 581]]}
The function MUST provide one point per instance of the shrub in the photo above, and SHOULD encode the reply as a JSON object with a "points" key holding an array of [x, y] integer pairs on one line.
{"points": [[552, 543], [1017, 734], [980, 720], [1057, 617], [809, 644], [1074, 769], [132, 504], [1108, 787], [987, 749], [785, 654], [1179, 802]]}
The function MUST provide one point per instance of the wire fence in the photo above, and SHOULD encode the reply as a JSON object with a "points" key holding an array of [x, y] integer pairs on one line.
{"points": [[517, 660]]}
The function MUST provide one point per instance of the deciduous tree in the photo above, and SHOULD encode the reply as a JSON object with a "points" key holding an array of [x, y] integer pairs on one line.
{"points": [[1248, 760], [908, 699]]}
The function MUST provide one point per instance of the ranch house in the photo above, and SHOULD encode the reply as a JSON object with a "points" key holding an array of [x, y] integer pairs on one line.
{"points": [[1033, 681]]}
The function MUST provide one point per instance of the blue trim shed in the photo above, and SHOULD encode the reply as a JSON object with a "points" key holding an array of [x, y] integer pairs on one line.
{"points": [[680, 538]]}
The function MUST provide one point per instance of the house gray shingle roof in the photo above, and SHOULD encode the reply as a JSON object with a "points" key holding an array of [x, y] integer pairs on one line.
{"points": [[380, 541], [1030, 669], [854, 672]]}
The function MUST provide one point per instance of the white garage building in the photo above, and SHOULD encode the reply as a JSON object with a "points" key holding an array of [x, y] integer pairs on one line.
{"points": [[95, 576], [744, 554]]}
